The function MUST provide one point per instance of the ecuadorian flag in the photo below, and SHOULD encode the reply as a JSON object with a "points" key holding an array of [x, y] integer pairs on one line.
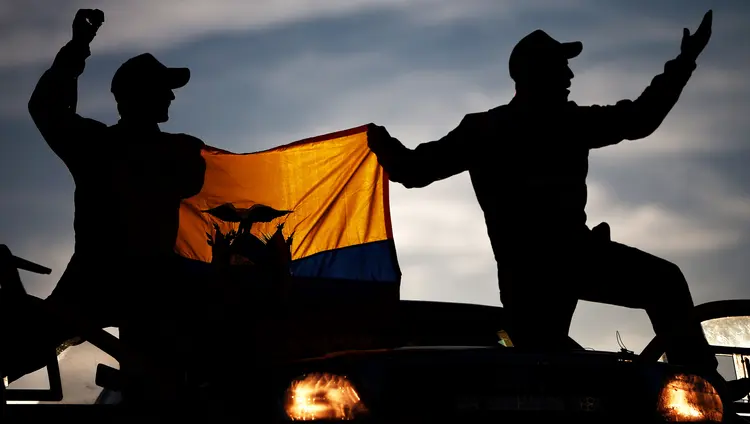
{"points": [[326, 195]]}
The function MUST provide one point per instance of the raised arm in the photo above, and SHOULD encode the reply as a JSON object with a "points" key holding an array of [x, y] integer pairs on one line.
{"points": [[430, 161], [53, 103], [636, 119]]}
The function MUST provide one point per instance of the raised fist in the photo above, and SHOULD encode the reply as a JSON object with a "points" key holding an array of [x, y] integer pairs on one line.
{"points": [[693, 45], [86, 23]]}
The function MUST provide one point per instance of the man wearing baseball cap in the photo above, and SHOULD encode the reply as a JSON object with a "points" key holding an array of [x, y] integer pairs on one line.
{"points": [[528, 162], [129, 181]]}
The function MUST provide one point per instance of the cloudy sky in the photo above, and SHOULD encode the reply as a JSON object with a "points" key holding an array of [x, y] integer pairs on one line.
{"points": [[269, 72]]}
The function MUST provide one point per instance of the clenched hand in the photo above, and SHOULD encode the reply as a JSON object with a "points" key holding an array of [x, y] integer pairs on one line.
{"points": [[86, 23]]}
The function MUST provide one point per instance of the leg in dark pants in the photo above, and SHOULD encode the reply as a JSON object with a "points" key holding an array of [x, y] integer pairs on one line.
{"points": [[620, 275], [541, 295], [153, 325]]}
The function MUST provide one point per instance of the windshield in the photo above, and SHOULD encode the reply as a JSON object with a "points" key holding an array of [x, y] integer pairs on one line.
{"points": [[728, 331]]}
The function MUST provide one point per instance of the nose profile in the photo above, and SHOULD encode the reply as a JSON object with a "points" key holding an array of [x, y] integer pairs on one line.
{"points": [[569, 72]]}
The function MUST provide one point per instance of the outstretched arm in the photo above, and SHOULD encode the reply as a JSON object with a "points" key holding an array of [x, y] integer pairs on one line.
{"points": [[430, 161], [53, 103], [636, 119]]}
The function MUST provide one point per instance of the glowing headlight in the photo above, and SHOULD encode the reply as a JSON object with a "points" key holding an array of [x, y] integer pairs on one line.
{"points": [[322, 397], [689, 398]]}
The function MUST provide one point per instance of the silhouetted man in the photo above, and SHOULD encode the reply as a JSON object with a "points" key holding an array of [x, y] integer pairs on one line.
{"points": [[528, 162], [129, 178]]}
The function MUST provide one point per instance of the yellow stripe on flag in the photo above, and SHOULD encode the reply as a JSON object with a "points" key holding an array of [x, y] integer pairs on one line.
{"points": [[333, 185]]}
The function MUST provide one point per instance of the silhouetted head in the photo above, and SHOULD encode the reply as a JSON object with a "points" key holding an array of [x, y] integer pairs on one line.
{"points": [[539, 66], [143, 89]]}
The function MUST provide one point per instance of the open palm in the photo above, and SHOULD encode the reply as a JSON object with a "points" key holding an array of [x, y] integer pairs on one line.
{"points": [[693, 45]]}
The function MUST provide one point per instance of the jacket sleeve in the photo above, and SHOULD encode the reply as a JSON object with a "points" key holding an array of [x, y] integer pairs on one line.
{"points": [[635, 119], [437, 160], [53, 105]]}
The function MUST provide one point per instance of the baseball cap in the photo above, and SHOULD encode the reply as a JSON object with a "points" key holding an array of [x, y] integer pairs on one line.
{"points": [[536, 49], [145, 71]]}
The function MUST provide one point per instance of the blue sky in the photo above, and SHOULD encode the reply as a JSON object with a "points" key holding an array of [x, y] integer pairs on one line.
{"points": [[269, 72]]}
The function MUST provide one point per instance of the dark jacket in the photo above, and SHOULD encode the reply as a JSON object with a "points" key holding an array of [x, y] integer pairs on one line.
{"points": [[528, 164], [129, 182]]}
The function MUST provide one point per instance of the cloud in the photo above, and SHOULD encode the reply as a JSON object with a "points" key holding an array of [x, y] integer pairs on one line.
{"points": [[436, 223], [487, 26], [446, 256], [442, 244], [660, 229], [411, 104], [33, 32], [276, 71], [705, 119]]}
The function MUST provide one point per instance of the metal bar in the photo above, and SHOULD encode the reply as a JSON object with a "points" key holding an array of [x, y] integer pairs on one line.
{"points": [[27, 265], [728, 350]]}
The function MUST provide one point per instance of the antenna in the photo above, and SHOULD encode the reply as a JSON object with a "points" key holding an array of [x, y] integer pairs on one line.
{"points": [[623, 348]]}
